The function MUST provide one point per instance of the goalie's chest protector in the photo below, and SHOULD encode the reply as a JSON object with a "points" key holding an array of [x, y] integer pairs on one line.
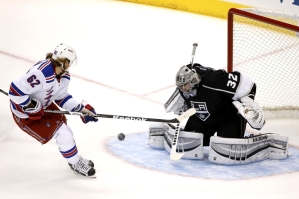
{"points": [[213, 101]]}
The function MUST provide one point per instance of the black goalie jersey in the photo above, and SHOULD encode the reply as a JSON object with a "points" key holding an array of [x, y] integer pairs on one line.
{"points": [[215, 93]]}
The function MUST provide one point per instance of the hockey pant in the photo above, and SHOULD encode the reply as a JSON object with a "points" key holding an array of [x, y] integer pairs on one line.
{"points": [[52, 126], [42, 130]]}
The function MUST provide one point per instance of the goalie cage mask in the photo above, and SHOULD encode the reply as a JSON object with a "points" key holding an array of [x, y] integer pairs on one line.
{"points": [[187, 76]]}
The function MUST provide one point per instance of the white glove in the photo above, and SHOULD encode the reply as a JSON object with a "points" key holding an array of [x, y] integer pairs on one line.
{"points": [[176, 103], [251, 111]]}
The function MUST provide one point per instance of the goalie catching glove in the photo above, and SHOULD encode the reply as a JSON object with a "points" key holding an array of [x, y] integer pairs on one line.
{"points": [[88, 111], [251, 111]]}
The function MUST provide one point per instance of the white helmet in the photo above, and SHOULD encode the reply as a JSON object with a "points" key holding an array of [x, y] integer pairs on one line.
{"points": [[65, 51]]}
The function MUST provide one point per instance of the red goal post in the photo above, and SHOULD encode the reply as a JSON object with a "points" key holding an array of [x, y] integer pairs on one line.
{"points": [[264, 44]]}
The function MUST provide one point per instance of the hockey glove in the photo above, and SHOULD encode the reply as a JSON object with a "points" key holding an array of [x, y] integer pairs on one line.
{"points": [[176, 103], [34, 110], [88, 112], [251, 111]]}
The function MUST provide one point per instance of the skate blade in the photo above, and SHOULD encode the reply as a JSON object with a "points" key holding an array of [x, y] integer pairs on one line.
{"points": [[79, 174]]}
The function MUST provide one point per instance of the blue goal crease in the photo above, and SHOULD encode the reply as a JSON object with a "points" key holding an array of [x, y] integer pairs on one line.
{"points": [[134, 149]]}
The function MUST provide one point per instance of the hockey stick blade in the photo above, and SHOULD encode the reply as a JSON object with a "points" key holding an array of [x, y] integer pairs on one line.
{"points": [[183, 116], [174, 155]]}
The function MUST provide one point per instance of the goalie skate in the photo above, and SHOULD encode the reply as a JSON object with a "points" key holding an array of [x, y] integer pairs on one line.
{"points": [[84, 167]]}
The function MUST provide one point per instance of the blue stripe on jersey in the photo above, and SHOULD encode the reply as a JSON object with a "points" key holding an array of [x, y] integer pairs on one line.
{"points": [[39, 62], [50, 79], [16, 107], [42, 64], [47, 69], [15, 91], [13, 106], [63, 101], [25, 102], [67, 76]]}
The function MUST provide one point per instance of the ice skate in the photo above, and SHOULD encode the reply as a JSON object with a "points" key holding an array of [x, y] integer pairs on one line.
{"points": [[84, 167], [87, 162]]}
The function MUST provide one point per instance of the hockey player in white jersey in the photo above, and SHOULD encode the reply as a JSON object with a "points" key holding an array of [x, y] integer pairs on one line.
{"points": [[45, 86]]}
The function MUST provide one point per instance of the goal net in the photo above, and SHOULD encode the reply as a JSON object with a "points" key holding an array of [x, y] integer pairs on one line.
{"points": [[264, 44]]}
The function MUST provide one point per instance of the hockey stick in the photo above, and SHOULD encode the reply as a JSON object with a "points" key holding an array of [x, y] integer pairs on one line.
{"points": [[174, 155], [178, 119], [193, 53]]}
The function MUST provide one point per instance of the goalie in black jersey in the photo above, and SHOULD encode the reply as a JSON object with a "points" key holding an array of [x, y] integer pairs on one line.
{"points": [[218, 97], [224, 103]]}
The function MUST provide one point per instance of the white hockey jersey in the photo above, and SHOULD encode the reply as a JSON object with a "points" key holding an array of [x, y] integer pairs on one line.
{"points": [[41, 83]]}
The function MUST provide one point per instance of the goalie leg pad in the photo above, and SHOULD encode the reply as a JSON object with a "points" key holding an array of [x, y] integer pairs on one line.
{"points": [[190, 143], [247, 150], [235, 151], [279, 149], [156, 135]]}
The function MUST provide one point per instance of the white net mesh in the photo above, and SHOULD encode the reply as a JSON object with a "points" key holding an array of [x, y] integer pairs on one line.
{"points": [[269, 54]]}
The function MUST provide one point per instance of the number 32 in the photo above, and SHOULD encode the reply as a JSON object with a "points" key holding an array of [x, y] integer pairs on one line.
{"points": [[232, 83]]}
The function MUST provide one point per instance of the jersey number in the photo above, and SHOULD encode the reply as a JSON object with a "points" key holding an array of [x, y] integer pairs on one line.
{"points": [[232, 83], [33, 81]]}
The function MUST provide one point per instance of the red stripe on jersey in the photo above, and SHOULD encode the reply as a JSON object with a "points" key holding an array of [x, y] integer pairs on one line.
{"points": [[14, 91], [18, 107], [50, 78], [44, 65]]}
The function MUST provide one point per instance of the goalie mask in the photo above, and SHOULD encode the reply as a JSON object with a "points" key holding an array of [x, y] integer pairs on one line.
{"points": [[187, 76], [65, 51]]}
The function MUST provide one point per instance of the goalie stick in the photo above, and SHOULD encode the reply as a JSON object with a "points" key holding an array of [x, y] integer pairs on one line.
{"points": [[178, 119], [174, 155], [193, 53]]}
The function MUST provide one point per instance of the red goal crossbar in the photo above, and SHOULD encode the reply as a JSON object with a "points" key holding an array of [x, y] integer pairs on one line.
{"points": [[234, 11]]}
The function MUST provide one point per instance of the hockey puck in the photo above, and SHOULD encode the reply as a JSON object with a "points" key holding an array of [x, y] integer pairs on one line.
{"points": [[121, 136]]}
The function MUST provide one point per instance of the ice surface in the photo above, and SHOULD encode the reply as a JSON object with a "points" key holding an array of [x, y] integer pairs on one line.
{"points": [[128, 55]]}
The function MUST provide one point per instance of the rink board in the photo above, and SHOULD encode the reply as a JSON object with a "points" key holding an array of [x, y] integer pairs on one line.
{"points": [[134, 149]]}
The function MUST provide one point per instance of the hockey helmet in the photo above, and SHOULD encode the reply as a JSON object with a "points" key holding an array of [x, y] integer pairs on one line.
{"points": [[65, 51], [187, 76]]}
